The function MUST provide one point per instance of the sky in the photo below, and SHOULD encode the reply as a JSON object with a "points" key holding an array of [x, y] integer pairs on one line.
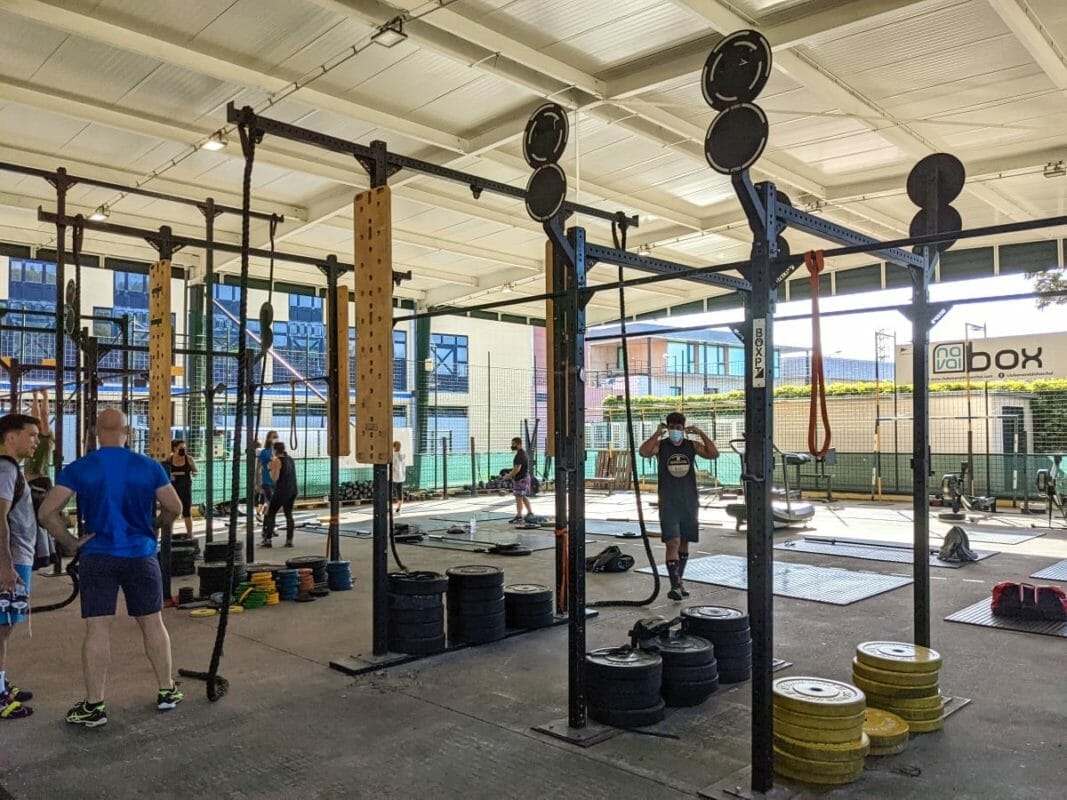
{"points": [[853, 335]]}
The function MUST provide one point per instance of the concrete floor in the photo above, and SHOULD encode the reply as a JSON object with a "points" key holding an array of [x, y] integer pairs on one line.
{"points": [[459, 725]]}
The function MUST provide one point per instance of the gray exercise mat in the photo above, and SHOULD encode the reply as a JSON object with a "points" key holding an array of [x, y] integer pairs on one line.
{"points": [[871, 552], [1053, 572], [993, 536], [839, 587], [480, 516], [981, 614], [484, 540], [624, 530]]}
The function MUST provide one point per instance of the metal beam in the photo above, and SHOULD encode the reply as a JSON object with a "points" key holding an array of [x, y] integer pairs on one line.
{"points": [[1039, 41], [183, 55]]}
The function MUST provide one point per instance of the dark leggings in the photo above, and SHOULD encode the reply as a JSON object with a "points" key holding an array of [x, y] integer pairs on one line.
{"points": [[285, 504]]}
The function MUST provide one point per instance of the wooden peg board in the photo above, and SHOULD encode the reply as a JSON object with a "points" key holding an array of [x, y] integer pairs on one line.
{"points": [[160, 360], [339, 327], [550, 354], [374, 326]]}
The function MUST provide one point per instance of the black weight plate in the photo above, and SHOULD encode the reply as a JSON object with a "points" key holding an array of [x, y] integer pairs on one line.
{"points": [[527, 592], [681, 651], [417, 583], [736, 70], [945, 171], [539, 610], [713, 619], [948, 221], [695, 674], [730, 639], [70, 292], [623, 664], [545, 192], [610, 684], [784, 199], [734, 664], [621, 701], [735, 677], [489, 633], [685, 695], [736, 138], [70, 320], [475, 575], [419, 630], [632, 718], [783, 247], [477, 608], [417, 646], [479, 594], [416, 615], [734, 652], [476, 620], [545, 137], [306, 562], [411, 602]]}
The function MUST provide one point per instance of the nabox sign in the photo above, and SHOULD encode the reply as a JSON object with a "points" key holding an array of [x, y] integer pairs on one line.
{"points": [[1029, 357]]}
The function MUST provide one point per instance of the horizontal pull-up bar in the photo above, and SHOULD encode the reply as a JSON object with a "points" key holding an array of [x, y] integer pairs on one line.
{"points": [[176, 241], [118, 187], [246, 116]]}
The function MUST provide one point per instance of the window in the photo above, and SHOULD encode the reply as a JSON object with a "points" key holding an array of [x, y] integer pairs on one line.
{"points": [[305, 308], [681, 357], [400, 417], [447, 422], [32, 303], [400, 361], [675, 391], [449, 353], [714, 359], [737, 360], [227, 337], [310, 415], [620, 358]]}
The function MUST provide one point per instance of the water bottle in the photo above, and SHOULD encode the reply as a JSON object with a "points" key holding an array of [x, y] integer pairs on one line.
{"points": [[473, 527]]}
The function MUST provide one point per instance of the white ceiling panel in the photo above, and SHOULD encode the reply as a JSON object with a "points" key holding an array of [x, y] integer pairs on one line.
{"points": [[83, 67], [26, 46]]}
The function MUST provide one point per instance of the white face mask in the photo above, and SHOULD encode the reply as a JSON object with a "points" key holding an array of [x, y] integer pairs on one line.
{"points": [[675, 435]]}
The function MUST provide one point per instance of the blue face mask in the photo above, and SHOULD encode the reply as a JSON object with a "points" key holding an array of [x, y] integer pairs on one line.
{"points": [[675, 435]]}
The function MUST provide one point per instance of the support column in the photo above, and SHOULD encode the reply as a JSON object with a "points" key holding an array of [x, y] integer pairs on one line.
{"points": [[210, 214], [558, 360], [921, 322], [422, 397]]}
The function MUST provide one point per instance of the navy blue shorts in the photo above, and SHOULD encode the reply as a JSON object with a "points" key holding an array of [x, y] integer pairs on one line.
{"points": [[676, 523], [102, 577]]}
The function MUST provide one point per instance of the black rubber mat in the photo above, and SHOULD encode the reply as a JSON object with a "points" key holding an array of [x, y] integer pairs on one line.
{"points": [[624, 530], [484, 540], [871, 552], [982, 615], [839, 587], [1053, 572], [481, 516]]}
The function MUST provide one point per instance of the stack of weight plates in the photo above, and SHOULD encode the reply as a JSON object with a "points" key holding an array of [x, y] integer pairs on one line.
{"points": [[475, 604], [690, 674], [317, 565], [340, 575], [888, 732], [288, 584], [622, 687], [903, 679], [728, 631], [416, 612], [818, 730], [213, 578], [216, 551], [182, 555], [527, 606]]}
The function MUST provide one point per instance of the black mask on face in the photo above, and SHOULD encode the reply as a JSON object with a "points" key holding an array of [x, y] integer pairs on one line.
{"points": [[181, 451]]}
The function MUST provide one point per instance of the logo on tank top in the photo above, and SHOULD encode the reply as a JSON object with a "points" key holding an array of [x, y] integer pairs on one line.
{"points": [[678, 465]]}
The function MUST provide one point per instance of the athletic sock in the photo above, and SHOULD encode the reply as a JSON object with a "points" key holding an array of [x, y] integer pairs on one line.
{"points": [[683, 559], [672, 572], [3, 682]]}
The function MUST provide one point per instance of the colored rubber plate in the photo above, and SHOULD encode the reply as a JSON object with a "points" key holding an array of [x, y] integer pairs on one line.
{"points": [[898, 656], [736, 138], [852, 722], [812, 751], [913, 715], [817, 769], [816, 735], [925, 680], [805, 777], [203, 612], [886, 690], [926, 727], [889, 751], [736, 70], [884, 728], [818, 696]]}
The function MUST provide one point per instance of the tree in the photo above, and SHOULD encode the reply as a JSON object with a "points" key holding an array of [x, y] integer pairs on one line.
{"points": [[1053, 279]]}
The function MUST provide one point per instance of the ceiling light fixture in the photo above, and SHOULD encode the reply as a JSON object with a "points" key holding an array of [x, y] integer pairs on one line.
{"points": [[644, 250], [216, 142], [102, 213], [1055, 169], [391, 33]]}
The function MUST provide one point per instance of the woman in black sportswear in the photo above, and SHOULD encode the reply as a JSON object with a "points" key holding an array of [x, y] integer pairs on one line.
{"points": [[181, 468]]}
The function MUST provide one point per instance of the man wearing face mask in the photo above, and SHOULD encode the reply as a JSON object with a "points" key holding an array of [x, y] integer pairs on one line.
{"points": [[521, 483], [678, 502], [181, 468]]}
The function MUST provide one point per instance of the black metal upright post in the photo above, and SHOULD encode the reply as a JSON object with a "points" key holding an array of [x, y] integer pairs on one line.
{"points": [[61, 183], [759, 466], [207, 208], [921, 321], [333, 368], [559, 359], [166, 253], [127, 321], [575, 336]]}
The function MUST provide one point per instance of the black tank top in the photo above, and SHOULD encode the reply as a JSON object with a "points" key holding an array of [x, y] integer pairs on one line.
{"points": [[182, 474], [677, 475], [285, 486]]}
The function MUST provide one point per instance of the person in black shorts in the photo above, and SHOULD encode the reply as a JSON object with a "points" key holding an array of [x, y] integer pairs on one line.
{"points": [[677, 485], [181, 468], [283, 473], [117, 494], [521, 483]]}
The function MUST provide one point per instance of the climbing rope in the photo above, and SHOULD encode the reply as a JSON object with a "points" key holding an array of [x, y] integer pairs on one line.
{"points": [[618, 234], [294, 442], [815, 263]]}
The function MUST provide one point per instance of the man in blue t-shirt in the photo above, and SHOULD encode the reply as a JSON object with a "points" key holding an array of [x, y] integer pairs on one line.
{"points": [[266, 482], [117, 491]]}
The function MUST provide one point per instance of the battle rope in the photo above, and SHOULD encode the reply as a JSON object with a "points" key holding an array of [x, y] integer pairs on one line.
{"points": [[72, 571], [618, 234], [815, 263], [266, 329], [293, 441], [216, 684]]}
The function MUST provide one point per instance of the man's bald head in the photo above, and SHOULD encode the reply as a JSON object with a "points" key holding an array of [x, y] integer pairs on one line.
{"points": [[111, 428]]}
